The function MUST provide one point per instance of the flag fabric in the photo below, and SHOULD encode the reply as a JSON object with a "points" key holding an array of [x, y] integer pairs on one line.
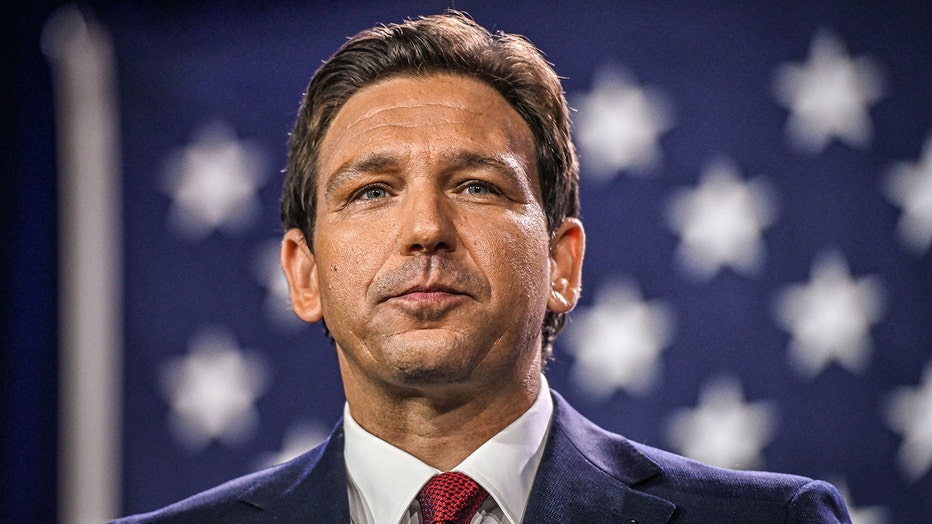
{"points": [[756, 187]]}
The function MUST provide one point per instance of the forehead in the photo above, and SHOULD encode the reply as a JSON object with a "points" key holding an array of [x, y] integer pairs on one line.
{"points": [[434, 112]]}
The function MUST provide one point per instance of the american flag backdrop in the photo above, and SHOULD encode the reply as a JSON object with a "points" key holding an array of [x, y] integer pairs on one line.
{"points": [[756, 187]]}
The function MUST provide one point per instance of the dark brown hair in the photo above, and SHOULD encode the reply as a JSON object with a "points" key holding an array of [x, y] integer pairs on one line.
{"points": [[447, 43]]}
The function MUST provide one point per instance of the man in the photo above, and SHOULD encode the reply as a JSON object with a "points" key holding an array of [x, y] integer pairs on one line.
{"points": [[430, 209]]}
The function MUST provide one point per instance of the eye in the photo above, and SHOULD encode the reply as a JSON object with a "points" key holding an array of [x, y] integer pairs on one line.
{"points": [[372, 193], [478, 188]]}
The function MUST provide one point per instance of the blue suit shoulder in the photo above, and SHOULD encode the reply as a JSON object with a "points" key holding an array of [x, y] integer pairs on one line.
{"points": [[310, 488], [695, 491], [208, 506], [691, 484]]}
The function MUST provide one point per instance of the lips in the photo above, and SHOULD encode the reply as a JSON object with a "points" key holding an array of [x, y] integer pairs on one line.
{"points": [[429, 290], [427, 301]]}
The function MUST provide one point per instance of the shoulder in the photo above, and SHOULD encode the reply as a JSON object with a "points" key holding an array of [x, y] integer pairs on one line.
{"points": [[696, 488], [252, 497], [701, 493], [223, 501]]}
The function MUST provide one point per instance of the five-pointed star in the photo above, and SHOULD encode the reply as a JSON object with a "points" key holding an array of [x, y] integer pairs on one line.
{"points": [[213, 183], [829, 96], [212, 390], [830, 317], [301, 437], [723, 430], [909, 412], [617, 342], [910, 187], [618, 124], [720, 221]]}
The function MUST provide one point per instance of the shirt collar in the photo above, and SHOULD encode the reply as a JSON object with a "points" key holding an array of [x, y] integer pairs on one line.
{"points": [[388, 479]]}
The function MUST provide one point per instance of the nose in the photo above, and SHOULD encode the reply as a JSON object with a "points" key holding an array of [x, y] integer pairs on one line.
{"points": [[426, 223]]}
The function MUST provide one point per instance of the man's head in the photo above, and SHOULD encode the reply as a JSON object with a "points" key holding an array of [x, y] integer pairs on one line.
{"points": [[452, 44]]}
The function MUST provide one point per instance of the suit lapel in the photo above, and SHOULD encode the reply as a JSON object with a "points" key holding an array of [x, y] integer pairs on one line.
{"points": [[587, 475], [310, 488]]}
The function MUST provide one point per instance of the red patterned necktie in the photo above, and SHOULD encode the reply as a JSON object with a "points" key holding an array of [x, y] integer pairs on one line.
{"points": [[450, 498]]}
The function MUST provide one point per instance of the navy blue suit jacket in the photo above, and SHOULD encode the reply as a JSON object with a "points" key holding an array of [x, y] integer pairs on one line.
{"points": [[586, 475]]}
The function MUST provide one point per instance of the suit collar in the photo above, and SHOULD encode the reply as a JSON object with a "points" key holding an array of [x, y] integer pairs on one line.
{"points": [[590, 475]]}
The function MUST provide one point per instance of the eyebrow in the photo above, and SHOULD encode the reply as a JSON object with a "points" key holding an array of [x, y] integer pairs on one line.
{"points": [[371, 162], [471, 159]]}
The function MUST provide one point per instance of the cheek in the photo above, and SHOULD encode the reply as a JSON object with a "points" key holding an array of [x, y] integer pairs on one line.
{"points": [[349, 260], [519, 255]]}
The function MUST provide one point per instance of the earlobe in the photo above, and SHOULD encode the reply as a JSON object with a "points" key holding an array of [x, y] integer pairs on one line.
{"points": [[566, 257], [300, 268]]}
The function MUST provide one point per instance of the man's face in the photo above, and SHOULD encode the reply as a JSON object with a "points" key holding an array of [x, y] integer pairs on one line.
{"points": [[432, 261]]}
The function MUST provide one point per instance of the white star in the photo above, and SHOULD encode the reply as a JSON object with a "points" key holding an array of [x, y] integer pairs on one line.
{"points": [[268, 272], [830, 317], [860, 515], [909, 412], [829, 96], [300, 438], [618, 125], [213, 183], [720, 221], [617, 342], [212, 390], [910, 187], [723, 430]]}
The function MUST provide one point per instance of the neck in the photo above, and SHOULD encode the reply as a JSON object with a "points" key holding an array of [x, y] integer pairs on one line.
{"points": [[443, 424]]}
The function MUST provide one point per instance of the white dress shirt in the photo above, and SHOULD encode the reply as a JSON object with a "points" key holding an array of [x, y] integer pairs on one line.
{"points": [[383, 481]]}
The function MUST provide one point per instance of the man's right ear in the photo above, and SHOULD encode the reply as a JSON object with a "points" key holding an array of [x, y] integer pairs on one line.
{"points": [[300, 268]]}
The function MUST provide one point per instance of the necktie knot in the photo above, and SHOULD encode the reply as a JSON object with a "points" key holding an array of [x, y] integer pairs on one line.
{"points": [[450, 498]]}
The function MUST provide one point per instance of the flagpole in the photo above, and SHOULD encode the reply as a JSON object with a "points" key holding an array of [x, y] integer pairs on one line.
{"points": [[90, 268]]}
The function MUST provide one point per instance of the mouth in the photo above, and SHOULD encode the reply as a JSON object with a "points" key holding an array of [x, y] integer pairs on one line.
{"points": [[427, 287], [425, 293], [428, 302]]}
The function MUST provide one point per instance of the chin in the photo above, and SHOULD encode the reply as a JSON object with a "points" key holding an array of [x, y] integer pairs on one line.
{"points": [[432, 362], [433, 366], [432, 376]]}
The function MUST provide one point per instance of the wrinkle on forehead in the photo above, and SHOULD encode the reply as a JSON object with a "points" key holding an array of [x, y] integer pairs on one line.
{"points": [[425, 105], [403, 125], [411, 91]]}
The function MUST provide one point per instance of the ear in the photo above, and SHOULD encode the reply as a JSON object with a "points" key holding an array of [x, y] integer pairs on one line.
{"points": [[300, 267], [566, 257]]}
